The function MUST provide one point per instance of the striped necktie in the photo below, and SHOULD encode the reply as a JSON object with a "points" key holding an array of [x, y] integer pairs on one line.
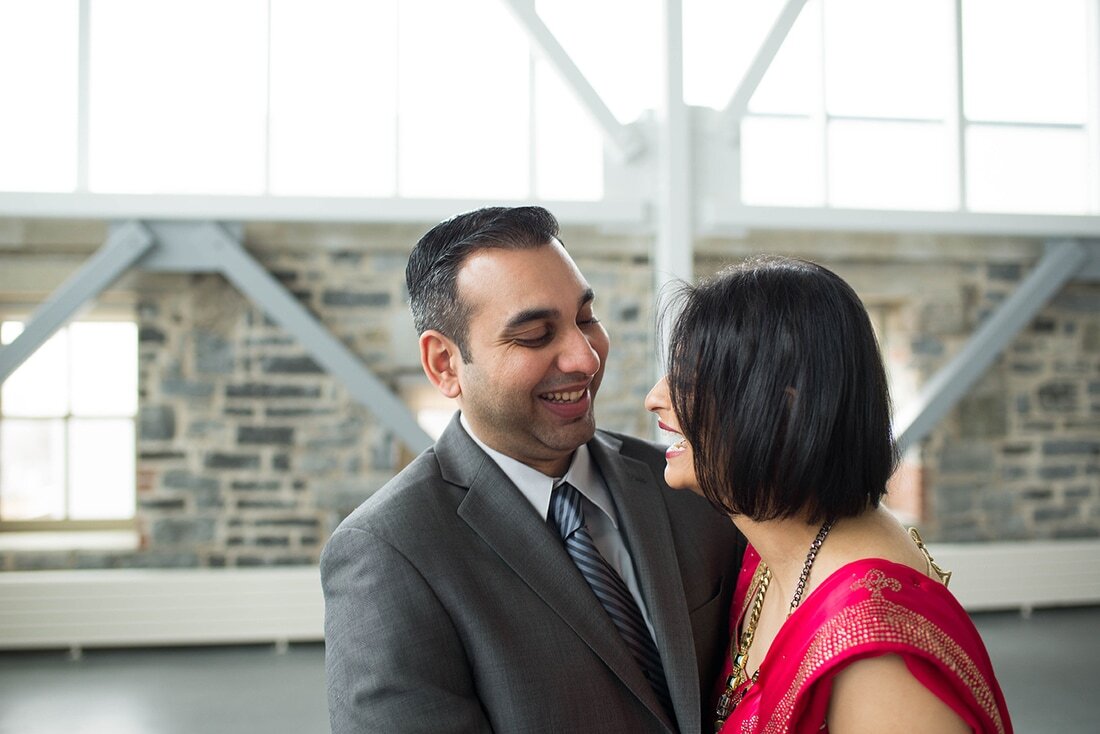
{"points": [[609, 588]]}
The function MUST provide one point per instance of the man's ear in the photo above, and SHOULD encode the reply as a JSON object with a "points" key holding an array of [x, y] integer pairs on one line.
{"points": [[440, 357]]}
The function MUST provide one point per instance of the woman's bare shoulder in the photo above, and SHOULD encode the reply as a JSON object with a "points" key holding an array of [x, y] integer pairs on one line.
{"points": [[880, 695]]}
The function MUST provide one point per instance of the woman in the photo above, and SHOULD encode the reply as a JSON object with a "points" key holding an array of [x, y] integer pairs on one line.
{"points": [[841, 622]]}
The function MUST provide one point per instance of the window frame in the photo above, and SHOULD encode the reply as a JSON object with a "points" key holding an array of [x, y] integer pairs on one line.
{"points": [[68, 524]]}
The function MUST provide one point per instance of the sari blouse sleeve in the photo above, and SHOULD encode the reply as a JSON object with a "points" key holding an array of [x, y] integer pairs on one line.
{"points": [[875, 607]]}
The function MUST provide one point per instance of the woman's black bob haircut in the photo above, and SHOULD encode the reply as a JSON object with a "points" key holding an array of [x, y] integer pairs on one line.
{"points": [[776, 378]]}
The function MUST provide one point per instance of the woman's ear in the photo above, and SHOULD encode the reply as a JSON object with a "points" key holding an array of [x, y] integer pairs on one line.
{"points": [[440, 357]]}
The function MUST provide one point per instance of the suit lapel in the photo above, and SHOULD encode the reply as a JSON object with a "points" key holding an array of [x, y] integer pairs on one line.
{"points": [[644, 524], [496, 510]]}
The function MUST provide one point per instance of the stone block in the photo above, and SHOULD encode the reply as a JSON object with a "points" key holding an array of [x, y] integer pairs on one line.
{"points": [[301, 365], [181, 531], [268, 390], [1078, 300], [157, 422], [280, 462], [1075, 530], [253, 485], [151, 335], [219, 460], [1053, 473], [182, 479], [926, 346], [983, 416], [1037, 493], [265, 435], [1043, 325], [177, 388], [1071, 447], [355, 299], [1004, 271], [951, 500], [160, 455], [161, 504], [213, 354], [1058, 396], [1049, 514], [966, 458]]}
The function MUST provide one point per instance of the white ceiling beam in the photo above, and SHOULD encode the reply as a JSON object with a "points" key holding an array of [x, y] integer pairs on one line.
{"points": [[738, 105], [623, 139], [399, 210], [735, 220]]}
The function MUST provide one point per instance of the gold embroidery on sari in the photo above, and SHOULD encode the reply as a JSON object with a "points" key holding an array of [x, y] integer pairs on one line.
{"points": [[876, 619]]}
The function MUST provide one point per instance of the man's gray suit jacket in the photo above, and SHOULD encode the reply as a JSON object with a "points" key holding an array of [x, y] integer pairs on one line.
{"points": [[451, 606]]}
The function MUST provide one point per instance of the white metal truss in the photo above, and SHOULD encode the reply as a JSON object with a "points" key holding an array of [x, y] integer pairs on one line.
{"points": [[209, 247], [1061, 262]]}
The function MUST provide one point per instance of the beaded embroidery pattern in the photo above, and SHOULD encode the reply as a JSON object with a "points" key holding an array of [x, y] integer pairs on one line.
{"points": [[876, 619]]}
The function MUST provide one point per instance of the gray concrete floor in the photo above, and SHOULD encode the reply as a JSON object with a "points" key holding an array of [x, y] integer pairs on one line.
{"points": [[1046, 664]]}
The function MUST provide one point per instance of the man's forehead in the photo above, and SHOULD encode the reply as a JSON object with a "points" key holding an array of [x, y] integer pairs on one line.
{"points": [[523, 284]]}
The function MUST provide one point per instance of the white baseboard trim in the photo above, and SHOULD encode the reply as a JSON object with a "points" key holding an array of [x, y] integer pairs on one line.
{"points": [[1026, 575], [152, 607], [126, 608]]}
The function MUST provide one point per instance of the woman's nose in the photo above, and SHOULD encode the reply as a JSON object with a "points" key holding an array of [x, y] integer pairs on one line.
{"points": [[658, 396]]}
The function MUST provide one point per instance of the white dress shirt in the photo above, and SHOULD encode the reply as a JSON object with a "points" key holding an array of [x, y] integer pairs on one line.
{"points": [[599, 509]]}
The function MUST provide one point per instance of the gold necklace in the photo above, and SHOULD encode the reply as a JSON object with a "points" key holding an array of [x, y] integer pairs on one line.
{"points": [[730, 697]]}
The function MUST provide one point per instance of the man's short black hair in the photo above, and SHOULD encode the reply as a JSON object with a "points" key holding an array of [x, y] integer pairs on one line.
{"points": [[776, 378], [432, 272]]}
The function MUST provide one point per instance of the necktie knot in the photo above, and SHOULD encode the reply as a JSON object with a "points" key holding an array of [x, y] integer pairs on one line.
{"points": [[566, 510]]}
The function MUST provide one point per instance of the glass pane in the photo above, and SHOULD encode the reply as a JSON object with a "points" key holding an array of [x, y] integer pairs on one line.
{"points": [[568, 146], [38, 127], [40, 387], [792, 83], [781, 162], [614, 43], [889, 58], [464, 103], [178, 96], [720, 40], [32, 469], [104, 368], [1026, 170], [1025, 60], [333, 97], [891, 165], [101, 469]]}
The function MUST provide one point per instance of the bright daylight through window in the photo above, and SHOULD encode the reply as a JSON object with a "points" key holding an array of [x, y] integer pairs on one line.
{"points": [[67, 419], [983, 112]]}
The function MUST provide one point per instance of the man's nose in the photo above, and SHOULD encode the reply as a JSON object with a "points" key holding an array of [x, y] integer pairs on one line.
{"points": [[578, 354]]}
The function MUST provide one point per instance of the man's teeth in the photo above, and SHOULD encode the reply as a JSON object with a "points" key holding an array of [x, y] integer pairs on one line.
{"points": [[563, 397]]}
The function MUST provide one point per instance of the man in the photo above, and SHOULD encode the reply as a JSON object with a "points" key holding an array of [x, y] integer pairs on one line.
{"points": [[453, 604]]}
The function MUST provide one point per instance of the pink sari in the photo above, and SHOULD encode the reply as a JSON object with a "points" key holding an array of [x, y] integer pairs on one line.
{"points": [[869, 607]]}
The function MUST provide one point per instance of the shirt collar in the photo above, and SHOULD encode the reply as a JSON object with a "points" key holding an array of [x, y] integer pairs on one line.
{"points": [[537, 487]]}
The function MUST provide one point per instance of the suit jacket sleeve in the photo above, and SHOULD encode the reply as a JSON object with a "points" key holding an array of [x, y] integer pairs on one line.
{"points": [[393, 659]]}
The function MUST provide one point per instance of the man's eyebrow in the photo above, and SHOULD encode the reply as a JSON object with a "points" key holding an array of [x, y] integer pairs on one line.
{"points": [[528, 315], [531, 314]]}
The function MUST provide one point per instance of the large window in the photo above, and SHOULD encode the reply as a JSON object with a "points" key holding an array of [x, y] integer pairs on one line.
{"points": [[934, 105], [407, 98], [67, 426]]}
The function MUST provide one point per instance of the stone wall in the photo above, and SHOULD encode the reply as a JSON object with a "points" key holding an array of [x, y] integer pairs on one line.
{"points": [[249, 454]]}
